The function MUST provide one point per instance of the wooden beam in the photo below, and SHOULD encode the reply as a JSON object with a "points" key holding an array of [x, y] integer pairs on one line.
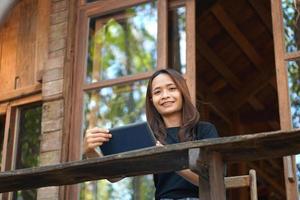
{"points": [[218, 64], [237, 181], [153, 160], [19, 93], [238, 36], [221, 67], [263, 13], [162, 34], [292, 56], [283, 95], [191, 48], [213, 101]]}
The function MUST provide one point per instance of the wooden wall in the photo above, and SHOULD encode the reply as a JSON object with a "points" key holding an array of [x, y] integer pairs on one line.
{"points": [[23, 47]]}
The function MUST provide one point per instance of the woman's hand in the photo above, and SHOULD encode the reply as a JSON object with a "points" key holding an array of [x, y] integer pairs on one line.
{"points": [[93, 138], [158, 144]]}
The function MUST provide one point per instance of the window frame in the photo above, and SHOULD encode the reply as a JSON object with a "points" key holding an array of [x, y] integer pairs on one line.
{"points": [[281, 59], [11, 110], [98, 8]]}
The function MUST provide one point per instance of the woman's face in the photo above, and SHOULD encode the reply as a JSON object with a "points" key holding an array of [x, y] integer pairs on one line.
{"points": [[166, 97]]}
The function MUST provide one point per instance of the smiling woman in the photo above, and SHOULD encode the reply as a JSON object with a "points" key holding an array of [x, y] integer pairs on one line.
{"points": [[173, 119]]}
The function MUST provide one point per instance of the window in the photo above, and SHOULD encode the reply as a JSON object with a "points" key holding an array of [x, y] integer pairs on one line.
{"points": [[2, 126], [121, 53], [28, 144], [20, 141], [177, 38], [120, 48]]}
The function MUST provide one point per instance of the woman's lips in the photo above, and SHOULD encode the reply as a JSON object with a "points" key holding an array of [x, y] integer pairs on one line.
{"points": [[167, 103]]}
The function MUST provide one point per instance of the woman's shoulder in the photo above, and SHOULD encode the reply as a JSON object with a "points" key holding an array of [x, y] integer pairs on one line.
{"points": [[206, 130]]}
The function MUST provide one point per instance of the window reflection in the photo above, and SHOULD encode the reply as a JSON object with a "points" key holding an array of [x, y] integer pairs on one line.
{"points": [[115, 106], [294, 90], [291, 14], [110, 107], [177, 39], [28, 148], [122, 43]]}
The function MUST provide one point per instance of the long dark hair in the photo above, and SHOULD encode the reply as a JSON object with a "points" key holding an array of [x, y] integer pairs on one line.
{"points": [[190, 115]]}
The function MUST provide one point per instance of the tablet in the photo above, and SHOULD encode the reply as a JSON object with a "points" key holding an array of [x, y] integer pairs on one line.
{"points": [[129, 137]]}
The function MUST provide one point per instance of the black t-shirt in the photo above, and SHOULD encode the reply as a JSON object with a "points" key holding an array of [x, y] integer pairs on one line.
{"points": [[171, 185]]}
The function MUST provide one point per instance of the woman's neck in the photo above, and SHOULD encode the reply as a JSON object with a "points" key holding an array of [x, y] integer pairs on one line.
{"points": [[172, 121]]}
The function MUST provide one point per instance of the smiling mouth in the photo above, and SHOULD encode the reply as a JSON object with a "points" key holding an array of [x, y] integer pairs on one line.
{"points": [[168, 103]]}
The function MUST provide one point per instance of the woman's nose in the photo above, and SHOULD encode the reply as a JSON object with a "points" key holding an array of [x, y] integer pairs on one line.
{"points": [[165, 94]]}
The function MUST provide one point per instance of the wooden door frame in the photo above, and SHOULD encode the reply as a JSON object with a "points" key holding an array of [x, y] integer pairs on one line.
{"points": [[281, 59]]}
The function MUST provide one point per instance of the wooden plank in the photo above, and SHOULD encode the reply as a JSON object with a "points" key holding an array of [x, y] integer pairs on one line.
{"points": [[237, 181], [9, 45], [283, 93], [292, 56], [121, 80], [25, 60], [152, 160], [42, 32], [26, 100], [23, 92], [105, 7]]}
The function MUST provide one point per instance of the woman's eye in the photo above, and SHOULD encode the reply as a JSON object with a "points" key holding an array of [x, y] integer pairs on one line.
{"points": [[173, 88], [156, 92]]}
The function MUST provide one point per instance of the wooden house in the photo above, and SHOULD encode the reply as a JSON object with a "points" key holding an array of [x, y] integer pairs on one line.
{"points": [[66, 65]]}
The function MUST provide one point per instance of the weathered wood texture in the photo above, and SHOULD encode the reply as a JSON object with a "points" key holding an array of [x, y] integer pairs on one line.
{"points": [[153, 160], [23, 41]]}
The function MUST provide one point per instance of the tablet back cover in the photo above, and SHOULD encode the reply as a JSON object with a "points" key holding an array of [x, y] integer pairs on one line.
{"points": [[129, 137]]}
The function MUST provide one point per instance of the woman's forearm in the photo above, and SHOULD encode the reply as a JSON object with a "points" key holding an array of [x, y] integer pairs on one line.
{"points": [[190, 176]]}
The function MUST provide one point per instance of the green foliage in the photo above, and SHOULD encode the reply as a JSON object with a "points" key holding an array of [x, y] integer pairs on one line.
{"points": [[292, 42], [29, 144], [121, 46]]}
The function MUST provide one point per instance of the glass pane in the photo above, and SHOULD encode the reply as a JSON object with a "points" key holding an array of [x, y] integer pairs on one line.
{"points": [[2, 127], [28, 148], [122, 43], [110, 107], [177, 39], [294, 89], [291, 9]]}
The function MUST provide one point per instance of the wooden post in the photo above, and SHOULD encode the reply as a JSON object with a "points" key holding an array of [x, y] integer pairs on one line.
{"points": [[283, 96], [253, 185], [210, 168]]}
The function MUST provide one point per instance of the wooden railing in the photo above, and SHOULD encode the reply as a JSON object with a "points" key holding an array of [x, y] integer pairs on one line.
{"points": [[205, 157]]}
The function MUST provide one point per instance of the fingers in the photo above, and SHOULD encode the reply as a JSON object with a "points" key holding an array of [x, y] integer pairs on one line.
{"points": [[95, 137], [98, 130], [158, 144]]}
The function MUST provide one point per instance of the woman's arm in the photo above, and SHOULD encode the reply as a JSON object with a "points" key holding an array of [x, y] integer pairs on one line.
{"points": [[190, 176], [94, 138]]}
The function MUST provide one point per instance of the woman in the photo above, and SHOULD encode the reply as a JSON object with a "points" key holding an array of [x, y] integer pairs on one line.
{"points": [[173, 118]]}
